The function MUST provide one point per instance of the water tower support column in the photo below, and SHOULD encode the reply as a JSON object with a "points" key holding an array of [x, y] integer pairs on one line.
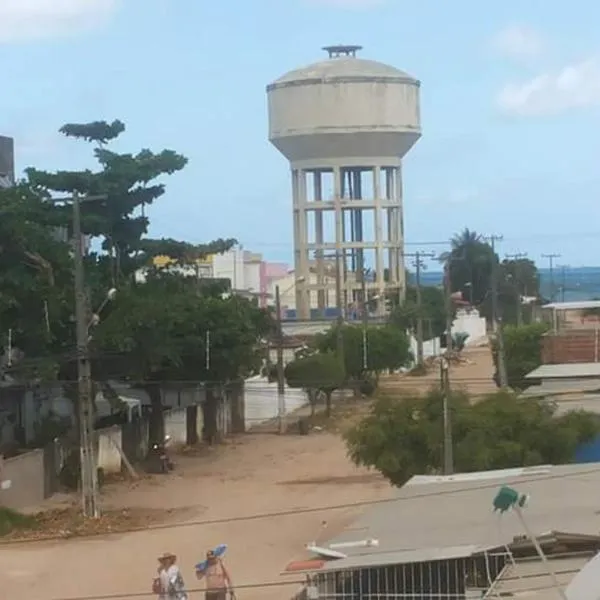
{"points": [[301, 264], [319, 239], [339, 237], [379, 268]]}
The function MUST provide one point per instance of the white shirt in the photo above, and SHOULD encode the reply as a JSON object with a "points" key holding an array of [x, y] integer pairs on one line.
{"points": [[171, 582]]}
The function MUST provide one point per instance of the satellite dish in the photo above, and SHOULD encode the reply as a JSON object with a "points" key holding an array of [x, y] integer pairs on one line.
{"points": [[586, 584], [325, 552]]}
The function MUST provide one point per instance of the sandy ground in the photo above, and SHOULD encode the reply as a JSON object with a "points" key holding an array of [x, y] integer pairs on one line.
{"points": [[474, 375], [250, 475]]}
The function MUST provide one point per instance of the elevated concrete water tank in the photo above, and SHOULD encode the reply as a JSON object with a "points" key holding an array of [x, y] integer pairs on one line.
{"points": [[344, 124]]}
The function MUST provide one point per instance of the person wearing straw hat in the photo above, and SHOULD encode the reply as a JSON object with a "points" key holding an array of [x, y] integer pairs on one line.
{"points": [[169, 585]]}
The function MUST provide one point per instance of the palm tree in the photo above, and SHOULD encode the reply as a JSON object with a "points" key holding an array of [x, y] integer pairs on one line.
{"points": [[469, 265]]}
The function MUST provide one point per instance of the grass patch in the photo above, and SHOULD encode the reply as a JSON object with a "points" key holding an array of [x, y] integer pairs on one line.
{"points": [[11, 520]]}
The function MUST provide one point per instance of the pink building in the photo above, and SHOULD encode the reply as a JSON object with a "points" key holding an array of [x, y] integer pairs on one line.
{"points": [[269, 272]]}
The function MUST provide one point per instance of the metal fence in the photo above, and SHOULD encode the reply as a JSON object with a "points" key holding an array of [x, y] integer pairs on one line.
{"points": [[436, 580]]}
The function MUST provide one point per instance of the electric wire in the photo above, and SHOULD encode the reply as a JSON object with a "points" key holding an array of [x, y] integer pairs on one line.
{"points": [[277, 584], [325, 508]]}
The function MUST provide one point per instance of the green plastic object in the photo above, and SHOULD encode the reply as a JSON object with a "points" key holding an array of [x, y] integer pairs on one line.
{"points": [[507, 498]]}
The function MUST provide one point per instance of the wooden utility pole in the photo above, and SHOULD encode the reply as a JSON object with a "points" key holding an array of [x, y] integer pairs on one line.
{"points": [[419, 264], [518, 284], [551, 258], [496, 318], [279, 367], [448, 443], [89, 475]]}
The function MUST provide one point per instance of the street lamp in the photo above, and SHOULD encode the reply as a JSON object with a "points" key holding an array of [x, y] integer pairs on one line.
{"points": [[280, 370], [95, 320]]}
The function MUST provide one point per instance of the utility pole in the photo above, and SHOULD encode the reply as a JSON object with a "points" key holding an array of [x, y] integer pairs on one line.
{"points": [[280, 371], [445, 387], [419, 264], [496, 319], [89, 474], [563, 282], [518, 283], [551, 258]]}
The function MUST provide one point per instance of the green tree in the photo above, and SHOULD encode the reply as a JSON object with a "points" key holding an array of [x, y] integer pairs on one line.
{"points": [[433, 311], [321, 372], [36, 293], [130, 183], [157, 332], [522, 350], [516, 278], [402, 437], [470, 263], [387, 348]]}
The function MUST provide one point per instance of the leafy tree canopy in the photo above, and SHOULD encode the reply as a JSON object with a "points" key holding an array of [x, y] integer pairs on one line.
{"points": [[35, 278], [402, 437], [433, 311], [470, 263], [387, 348], [322, 372], [522, 350], [157, 332], [127, 181]]}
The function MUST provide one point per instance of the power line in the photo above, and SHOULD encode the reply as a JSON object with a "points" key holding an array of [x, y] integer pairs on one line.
{"points": [[126, 595], [302, 511], [277, 584]]}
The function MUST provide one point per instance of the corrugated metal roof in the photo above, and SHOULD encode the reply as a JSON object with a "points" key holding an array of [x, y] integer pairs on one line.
{"points": [[570, 370], [562, 387], [450, 512], [400, 557], [530, 579], [581, 305], [589, 404]]}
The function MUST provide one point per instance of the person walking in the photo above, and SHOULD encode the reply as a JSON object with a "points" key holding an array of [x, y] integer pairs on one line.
{"points": [[169, 584], [218, 581]]}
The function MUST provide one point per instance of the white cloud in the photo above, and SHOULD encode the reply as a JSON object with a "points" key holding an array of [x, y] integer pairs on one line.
{"points": [[27, 20], [519, 42], [351, 4], [575, 86]]}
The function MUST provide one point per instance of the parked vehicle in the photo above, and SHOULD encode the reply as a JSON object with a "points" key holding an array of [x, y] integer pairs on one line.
{"points": [[159, 460]]}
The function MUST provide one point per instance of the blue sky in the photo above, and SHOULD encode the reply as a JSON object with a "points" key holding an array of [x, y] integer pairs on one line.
{"points": [[510, 98]]}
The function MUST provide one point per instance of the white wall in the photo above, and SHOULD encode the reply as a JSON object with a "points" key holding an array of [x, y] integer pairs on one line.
{"points": [[176, 425], [260, 401], [465, 322], [470, 322], [109, 457]]}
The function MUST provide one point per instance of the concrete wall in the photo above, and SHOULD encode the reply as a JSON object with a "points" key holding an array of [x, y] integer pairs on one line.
{"points": [[261, 402], [470, 322], [176, 425], [26, 474], [109, 457], [571, 346]]}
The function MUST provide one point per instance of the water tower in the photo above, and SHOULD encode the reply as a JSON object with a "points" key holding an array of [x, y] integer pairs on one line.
{"points": [[345, 124]]}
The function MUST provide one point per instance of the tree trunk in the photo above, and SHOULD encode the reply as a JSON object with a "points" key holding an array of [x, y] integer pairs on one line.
{"points": [[312, 399], [209, 412], [328, 404], [157, 417]]}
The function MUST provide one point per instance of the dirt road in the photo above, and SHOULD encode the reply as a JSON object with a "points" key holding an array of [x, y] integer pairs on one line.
{"points": [[254, 474], [474, 375]]}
